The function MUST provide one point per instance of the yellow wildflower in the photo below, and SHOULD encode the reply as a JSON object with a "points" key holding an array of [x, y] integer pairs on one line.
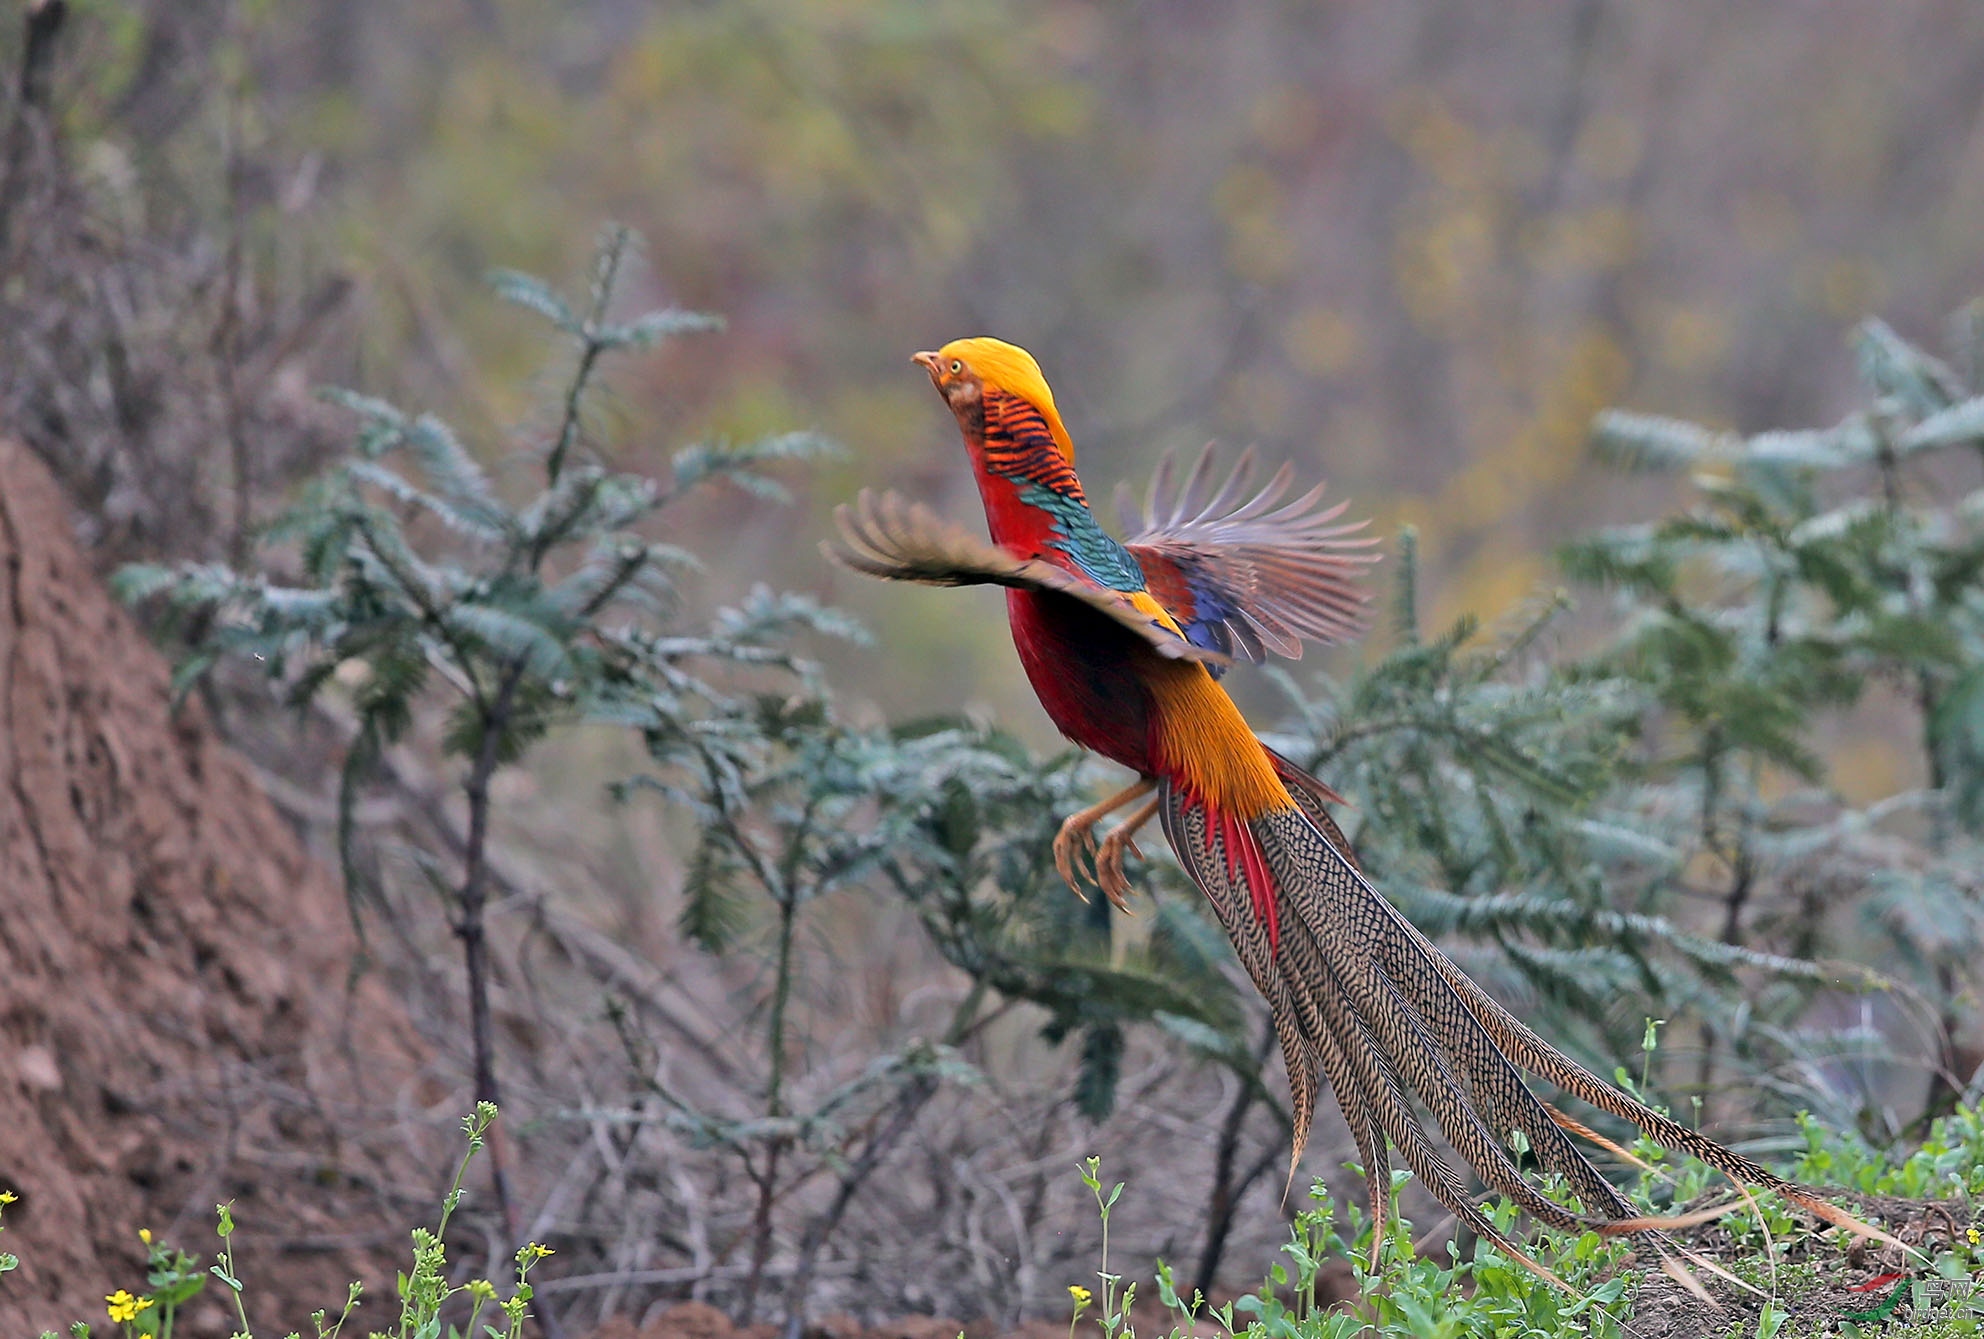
{"points": [[145, 1235], [8, 1197], [1081, 1295], [1972, 1234], [124, 1308]]}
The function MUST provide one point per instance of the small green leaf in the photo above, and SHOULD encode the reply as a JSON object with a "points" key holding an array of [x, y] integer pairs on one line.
{"points": [[533, 293]]}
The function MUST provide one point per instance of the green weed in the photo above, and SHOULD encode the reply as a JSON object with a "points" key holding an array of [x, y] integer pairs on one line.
{"points": [[1484, 1293], [173, 1277]]}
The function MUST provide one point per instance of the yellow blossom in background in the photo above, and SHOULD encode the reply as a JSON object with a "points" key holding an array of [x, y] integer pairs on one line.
{"points": [[145, 1235], [1082, 1298], [123, 1307], [8, 1197], [1972, 1234]]}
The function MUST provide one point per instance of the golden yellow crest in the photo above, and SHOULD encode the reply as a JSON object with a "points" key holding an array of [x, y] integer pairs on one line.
{"points": [[1008, 367]]}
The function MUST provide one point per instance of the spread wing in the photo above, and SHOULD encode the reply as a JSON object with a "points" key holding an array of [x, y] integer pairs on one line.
{"points": [[1242, 574], [889, 536]]}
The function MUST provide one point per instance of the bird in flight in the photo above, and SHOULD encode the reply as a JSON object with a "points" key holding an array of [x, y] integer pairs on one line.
{"points": [[1124, 643]]}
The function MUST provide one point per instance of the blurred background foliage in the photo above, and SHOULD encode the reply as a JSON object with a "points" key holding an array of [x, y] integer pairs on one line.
{"points": [[1414, 248]]}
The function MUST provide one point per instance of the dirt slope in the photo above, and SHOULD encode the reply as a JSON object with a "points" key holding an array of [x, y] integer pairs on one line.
{"points": [[177, 1025]]}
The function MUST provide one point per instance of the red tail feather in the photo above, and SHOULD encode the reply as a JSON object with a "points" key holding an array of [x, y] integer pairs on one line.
{"points": [[1243, 855]]}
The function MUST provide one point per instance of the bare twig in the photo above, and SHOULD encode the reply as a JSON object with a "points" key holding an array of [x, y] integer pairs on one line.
{"points": [[1226, 1193], [34, 88], [909, 1104]]}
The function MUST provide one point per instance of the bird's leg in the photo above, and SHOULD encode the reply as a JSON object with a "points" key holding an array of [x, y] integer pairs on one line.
{"points": [[1109, 856], [1078, 832]]}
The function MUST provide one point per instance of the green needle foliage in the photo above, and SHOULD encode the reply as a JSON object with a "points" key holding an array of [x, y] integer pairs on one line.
{"points": [[1586, 826], [1814, 568], [472, 612], [1486, 786], [795, 806], [1562, 825], [418, 582], [972, 857]]}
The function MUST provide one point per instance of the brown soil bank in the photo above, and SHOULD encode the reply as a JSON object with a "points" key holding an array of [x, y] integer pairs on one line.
{"points": [[177, 1023]]}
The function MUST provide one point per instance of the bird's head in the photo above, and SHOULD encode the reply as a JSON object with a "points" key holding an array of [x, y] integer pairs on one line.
{"points": [[965, 370]]}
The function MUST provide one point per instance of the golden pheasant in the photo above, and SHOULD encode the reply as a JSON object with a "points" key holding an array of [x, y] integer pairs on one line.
{"points": [[1123, 643]]}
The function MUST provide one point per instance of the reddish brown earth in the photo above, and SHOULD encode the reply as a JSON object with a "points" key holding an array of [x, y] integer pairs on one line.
{"points": [[178, 1023]]}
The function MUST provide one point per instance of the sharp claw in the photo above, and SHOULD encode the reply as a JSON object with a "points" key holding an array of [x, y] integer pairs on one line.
{"points": [[1065, 862], [1109, 872], [1063, 865], [1078, 855], [1116, 888]]}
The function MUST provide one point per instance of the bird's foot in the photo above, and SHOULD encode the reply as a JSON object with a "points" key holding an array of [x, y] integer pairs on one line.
{"points": [[1073, 844], [1109, 874], [1109, 857]]}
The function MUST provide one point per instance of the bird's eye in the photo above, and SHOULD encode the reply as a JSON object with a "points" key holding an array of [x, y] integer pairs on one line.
{"points": [[957, 368]]}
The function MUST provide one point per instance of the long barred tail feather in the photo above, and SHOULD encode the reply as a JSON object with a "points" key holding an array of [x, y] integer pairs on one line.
{"points": [[1333, 1040], [1363, 1000], [1545, 1061], [1528, 1051]]}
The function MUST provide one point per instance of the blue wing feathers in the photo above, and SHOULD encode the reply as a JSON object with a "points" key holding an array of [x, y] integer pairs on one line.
{"points": [[1248, 574]]}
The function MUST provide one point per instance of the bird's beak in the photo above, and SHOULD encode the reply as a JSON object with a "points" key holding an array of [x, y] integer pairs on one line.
{"points": [[928, 361]]}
